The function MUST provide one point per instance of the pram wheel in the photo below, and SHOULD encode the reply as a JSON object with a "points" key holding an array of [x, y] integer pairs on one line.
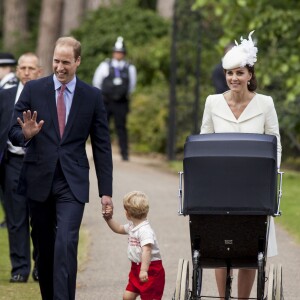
{"points": [[270, 291], [278, 285], [182, 281], [275, 291]]}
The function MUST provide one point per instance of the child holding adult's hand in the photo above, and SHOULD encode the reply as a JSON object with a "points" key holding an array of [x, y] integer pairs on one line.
{"points": [[147, 275]]}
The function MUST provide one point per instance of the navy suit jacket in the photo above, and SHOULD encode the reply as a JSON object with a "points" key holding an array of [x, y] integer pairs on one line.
{"points": [[87, 117], [7, 103]]}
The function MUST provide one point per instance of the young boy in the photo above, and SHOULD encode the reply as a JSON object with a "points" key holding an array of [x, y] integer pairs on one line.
{"points": [[147, 275]]}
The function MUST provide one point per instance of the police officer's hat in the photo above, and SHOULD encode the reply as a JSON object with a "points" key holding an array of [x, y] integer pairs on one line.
{"points": [[119, 45], [7, 59]]}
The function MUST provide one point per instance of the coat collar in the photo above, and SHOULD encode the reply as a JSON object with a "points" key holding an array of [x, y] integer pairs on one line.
{"points": [[222, 110]]}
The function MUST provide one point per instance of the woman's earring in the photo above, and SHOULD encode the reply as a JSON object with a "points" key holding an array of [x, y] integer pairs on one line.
{"points": [[248, 82]]}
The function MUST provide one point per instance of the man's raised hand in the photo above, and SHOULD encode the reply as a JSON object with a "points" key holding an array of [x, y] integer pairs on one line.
{"points": [[29, 125]]}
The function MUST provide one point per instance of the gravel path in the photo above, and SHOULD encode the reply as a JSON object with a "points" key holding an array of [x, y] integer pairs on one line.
{"points": [[104, 275]]}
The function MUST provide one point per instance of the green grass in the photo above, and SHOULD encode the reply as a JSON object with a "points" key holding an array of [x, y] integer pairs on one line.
{"points": [[29, 290], [290, 201], [10, 291]]}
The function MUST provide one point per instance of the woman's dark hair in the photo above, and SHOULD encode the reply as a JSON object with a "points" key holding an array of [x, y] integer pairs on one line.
{"points": [[253, 82]]}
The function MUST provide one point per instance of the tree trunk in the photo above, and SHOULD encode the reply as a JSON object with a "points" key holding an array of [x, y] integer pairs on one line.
{"points": [[165, 8], [49, 29], [95, 4], [72, 20], [15, 26], [92, 4]]}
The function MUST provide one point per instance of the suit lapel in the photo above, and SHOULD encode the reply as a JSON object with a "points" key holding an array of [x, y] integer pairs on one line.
{"points": [[74, 108], [51, 100]]}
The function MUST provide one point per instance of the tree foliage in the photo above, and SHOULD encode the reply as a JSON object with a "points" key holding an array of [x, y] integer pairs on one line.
{"points": [[143, 31], [276, 25], [147, 41]]}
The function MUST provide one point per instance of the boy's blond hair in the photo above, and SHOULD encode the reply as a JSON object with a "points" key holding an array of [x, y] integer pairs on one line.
{"points": [[136, 204]]}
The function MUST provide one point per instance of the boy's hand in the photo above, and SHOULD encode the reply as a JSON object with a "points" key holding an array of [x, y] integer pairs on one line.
{"points": [[107, 213], [143, 276], [107, 207]]}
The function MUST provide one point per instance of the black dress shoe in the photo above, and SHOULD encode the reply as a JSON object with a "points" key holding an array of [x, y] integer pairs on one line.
{"points": [[125, 158], [35, 274], [18, 278]]}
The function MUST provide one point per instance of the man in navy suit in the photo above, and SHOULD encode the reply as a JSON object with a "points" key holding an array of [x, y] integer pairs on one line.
{"points": [[55, 172], [16, 206]]}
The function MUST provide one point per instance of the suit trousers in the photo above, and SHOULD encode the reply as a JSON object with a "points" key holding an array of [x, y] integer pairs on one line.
{"points": [[56, 223], [17, 217], [119, 111]]}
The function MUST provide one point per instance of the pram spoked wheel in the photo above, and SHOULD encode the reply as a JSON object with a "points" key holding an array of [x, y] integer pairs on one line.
{"points": [[182, 281], [275, 289]]}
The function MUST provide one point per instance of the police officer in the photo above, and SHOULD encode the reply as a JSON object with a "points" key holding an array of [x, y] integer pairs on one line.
{"points": [[8, 79], [117, 79]]}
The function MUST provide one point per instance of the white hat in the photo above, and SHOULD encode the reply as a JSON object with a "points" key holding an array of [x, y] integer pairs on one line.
{"points": [[119, 45], [240, 55]]}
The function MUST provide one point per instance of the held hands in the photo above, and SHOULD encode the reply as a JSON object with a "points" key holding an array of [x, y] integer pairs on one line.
{"points": [[143, 276], [107, 207], [29, 125]]}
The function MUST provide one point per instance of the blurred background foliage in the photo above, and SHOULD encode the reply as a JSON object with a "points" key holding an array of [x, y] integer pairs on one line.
{"points": [[148, 38], [278, 67], [147, 41]]}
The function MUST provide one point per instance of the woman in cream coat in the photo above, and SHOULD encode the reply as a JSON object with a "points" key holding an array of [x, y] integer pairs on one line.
{"points": [[240, 109]]}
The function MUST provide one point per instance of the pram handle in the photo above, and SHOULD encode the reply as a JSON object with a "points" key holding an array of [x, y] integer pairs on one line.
{"points": [[180, 198], [279, 195]]}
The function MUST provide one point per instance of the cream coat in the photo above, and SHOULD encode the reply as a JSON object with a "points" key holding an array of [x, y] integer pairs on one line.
{"points": [[258, 117]]}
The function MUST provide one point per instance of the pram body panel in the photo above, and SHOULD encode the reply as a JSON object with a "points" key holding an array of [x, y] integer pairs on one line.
{"points": [[230, 173]]}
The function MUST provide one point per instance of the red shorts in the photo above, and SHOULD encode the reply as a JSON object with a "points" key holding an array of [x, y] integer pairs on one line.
{"points": [[153, 289]]}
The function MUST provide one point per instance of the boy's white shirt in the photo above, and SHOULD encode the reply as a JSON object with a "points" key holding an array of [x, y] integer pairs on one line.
{"points": [[139, 236]]}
